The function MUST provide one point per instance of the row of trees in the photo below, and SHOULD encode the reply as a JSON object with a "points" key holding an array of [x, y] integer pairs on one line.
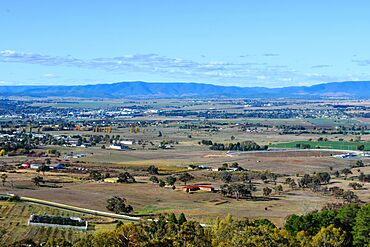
{"points": [[171, 180], [239, 146], [344, 226]]}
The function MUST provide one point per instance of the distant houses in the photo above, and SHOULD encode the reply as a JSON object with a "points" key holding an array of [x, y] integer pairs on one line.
{"points": [[74, 156], [200, 167], [25, 166], [36, 166], [127, 142], [118, 147], [57, 166]]}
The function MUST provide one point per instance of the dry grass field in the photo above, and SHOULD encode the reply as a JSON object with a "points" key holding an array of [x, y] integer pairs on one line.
{"points": [[202, 206], [77, 189], [146, 197]]}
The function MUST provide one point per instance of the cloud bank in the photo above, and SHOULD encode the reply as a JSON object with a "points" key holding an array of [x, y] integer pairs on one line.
{"points": [[261, 73]]}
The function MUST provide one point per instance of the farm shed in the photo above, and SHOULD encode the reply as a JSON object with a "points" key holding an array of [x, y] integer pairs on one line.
{"points": [[57, 166], [58, 221], [25, 166], [189, 188]]}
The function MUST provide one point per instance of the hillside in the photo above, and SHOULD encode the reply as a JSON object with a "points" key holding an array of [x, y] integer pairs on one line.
{"points": [[351, 89]]}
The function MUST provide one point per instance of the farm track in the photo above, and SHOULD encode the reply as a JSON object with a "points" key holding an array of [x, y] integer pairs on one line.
{"points": [[81, 210]]}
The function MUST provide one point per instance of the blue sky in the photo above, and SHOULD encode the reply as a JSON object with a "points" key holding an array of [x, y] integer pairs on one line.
{"points": [[247, 43]]}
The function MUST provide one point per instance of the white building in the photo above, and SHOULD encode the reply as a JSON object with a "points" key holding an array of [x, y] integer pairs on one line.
{"points": [[131, 142]]}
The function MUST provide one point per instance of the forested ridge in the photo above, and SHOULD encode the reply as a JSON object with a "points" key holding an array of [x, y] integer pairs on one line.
{"points": [[335, 225]]}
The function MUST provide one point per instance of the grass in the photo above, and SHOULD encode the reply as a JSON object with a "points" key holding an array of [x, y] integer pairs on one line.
{"points": [[327, 122], [14, 227], [339, 145], [151, 209]]}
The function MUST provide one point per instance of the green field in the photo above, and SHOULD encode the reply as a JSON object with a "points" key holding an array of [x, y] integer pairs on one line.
{"points": [[328, 122], [324, 145]]}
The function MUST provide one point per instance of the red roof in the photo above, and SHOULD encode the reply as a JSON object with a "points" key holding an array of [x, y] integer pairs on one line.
{"points": [[198, 186]]}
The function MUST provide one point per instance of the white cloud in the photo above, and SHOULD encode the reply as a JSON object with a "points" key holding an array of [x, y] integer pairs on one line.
{"points": [[247, 73], [50, 75]]}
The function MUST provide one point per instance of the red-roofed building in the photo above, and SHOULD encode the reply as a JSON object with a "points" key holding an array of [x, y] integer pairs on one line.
{"points": [[189, 188], [25, 166]]}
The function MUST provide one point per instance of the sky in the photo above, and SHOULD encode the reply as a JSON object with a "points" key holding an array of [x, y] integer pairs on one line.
{"points": [[269, 43]]}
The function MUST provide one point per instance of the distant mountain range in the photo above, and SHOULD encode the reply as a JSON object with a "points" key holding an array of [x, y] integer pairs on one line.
{"points": [[349, 89]]}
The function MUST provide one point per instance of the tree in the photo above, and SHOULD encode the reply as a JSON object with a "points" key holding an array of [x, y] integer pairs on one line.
{"points": [[25, 242], [170, 180], [293, 184], [125, 177], [350, 196], [355, 185], [182, 219], [364, 177], [324, 177], [153, 170], [226, 177], [185, 177], [279, 188], [118, 205], [361, 228], [3, 178], [337, 174], [37, 180], [361, 147], [234, 165], [336, 191], [95, 175], [162, 183], [346, 171], [267, 191], [60, 242], [43, 168], [154, 179], [359, 163], [305, 181], [237, 189], [288, 180], [172, 218], [329, 236]]}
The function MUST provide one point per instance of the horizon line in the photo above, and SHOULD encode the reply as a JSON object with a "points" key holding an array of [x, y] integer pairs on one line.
{"points": [[163, 82]]}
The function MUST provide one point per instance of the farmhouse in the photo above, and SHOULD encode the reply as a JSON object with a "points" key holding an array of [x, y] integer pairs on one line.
{"points": [[25, 166], [57, 166], [189, 188], [110, 180], [129, 142], [35, 166], [118, 147], [74, 156]]}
